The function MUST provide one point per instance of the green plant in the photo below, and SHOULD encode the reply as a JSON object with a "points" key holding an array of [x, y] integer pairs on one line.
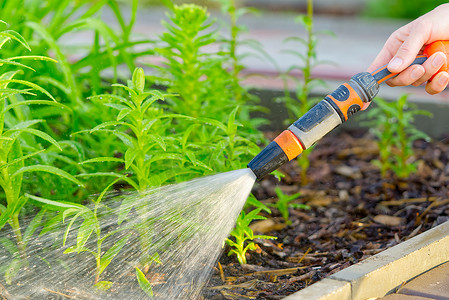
{"points": [[243, 235], [143, 130], [207, 91], [91, 224], [235, 63], [392, 123], [283, 204], [144, 284], [148, 145], [84, 69], [52, 20], [301, 102], [18, 144], [188, 70]]}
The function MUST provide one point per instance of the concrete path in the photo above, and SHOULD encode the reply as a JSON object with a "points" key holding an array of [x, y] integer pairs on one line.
{"points": [[432, 285]]}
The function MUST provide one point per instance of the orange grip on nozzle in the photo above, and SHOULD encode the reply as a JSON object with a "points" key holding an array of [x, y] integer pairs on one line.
{"points": [[347, 100], [438, 46], [289, 143]]}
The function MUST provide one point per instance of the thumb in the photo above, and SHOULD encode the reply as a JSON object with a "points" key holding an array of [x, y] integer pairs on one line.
{"points": [[405, 54]]}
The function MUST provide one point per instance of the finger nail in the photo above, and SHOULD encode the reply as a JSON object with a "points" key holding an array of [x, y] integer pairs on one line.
{"points": [[416, 73], [395, 63], [442, 80], [437, 61]]}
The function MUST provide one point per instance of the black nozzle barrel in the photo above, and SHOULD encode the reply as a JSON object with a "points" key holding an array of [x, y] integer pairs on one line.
{"points": [[268, 160]]}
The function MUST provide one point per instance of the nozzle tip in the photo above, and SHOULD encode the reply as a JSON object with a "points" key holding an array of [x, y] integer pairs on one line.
{"points": [[268, 160]]}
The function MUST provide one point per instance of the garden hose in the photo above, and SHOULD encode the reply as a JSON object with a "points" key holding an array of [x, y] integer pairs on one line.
{"points": [[330, 112]]}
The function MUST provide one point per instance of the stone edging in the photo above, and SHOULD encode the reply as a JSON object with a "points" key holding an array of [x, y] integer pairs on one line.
{"points": [[382, 273]]}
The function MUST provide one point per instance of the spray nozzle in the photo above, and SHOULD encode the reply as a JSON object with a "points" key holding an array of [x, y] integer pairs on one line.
{"points": [[330, 112]]}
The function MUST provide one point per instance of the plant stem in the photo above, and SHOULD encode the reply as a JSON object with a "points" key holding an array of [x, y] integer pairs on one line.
{"points": [[233, 49], [16, 228], [14, 220], [303, 161]]}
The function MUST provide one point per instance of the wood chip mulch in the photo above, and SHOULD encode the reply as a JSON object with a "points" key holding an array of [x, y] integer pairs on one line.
{"points": [[354, 214]]}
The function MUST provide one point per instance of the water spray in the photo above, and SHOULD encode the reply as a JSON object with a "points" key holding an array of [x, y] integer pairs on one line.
{"points": [[333, 110]]}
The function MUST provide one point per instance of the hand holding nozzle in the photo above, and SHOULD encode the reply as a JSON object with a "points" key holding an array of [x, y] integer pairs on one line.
{"points": [[330, 112], [407, 42]]}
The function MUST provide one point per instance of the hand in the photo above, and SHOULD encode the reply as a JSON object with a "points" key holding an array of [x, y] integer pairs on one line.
{"points": [[408, 41]]}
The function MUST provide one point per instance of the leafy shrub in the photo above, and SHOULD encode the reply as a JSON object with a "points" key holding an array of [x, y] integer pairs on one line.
{"points": [[392, 124], [301, 102], [207, 91], [21, 141]]}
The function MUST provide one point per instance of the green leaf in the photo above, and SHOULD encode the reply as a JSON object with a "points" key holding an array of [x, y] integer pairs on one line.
{"points": [[169, 4], [125, 207], [37, 102], [117, 106], [17, 160], [13, 269], [30, 84], [15, 36], [139, 79], [112, 174], [26, 124], [144, 283], [113, 124], [55, 205], [85, 230], [9, 245], [34, 224], [111, 253], [49, 169], [69, 226], [131, 91], [11, 209], [40, 134], [68, 212], [213, 122], [114, 97], [159, 140], [102, 159], [123, 113], [70, 250], [33, 57], [103, 285], [17, 64], [130, 156]]}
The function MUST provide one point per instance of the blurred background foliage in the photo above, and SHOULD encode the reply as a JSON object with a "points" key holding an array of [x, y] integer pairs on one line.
{"points": [[403, 9], [406, 9]]}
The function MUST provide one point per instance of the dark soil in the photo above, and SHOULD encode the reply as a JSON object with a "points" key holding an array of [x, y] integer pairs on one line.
{"points": [[355, 213]]}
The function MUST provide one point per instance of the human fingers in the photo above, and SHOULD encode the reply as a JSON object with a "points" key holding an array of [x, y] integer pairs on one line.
{"points": [[432, 65], [438, 83], [411, 46], [408, 76], [418, 74]]}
